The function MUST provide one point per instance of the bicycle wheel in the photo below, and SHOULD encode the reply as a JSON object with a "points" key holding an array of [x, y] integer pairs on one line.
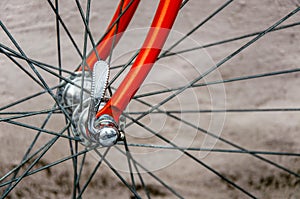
{"points": [[216, 117]]}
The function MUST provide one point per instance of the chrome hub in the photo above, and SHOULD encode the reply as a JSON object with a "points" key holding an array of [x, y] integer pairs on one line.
{"points": [[103, 131]]}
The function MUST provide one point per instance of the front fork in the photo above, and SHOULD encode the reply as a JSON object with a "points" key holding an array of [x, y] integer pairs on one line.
{"points": [[100, 124]]}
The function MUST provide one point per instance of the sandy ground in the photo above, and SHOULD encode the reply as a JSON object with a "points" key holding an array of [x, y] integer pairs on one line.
{"points": [[33, 25]]}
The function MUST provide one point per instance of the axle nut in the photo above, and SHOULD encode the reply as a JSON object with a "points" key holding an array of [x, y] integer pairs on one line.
{"points": [[108, 131]]}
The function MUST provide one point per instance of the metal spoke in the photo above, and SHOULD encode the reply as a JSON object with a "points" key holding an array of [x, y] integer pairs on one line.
{"points": [[13, 53], [229, 40], [130, 159], [220, 111], [220, 63], [34, 162], [43, 68], [26, 99], [44, 84], [21, 164], [23, 69], [65, 28], [93, 173], [124, 66], [87, 29], [196, 28], [110, 28], [192, 157], [117, 174], [83, 63], [80, 171], [120, 72], [128, 156], [47, 166], [40, 66], [172, 190], [25, 157], [115, 34], [27, 114], [44, 111], [212, 150], [32, 144], [236, 79], [115, 22], [222, 139], [58, 40], [74, 160], [219, 42], [40, 129]]}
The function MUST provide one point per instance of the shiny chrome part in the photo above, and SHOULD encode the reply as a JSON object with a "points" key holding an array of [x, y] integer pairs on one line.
{"points": [[99, 83], [79, 117], [103, 131], [71, 93], [108, 131]]}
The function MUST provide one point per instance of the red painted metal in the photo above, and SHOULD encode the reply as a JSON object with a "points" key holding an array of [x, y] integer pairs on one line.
{"points": [[164, 18], [104, 47]]}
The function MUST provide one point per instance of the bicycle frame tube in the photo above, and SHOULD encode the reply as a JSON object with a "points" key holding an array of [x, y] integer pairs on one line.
{"points": [[163, 20]]}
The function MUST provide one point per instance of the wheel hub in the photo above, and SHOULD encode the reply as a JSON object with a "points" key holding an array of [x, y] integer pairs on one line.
{"points": [[83, 104]]}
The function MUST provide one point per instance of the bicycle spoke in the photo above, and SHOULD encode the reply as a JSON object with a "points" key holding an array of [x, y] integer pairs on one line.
{"points": [[39, 129], [58, 40], [80, 172], [23, 69], [115, 35], [34, 163], [41, 67], [192, 157], [26, 114], [124, 67], [115, 22], [212, 150], [117, 174], [32, 145], [65, 28], [44, 111], [219, 42], [128, 156], [223, 140], [25, 99], [74, 160], [220, 111], [13, 53], [131, 160], [172, 190], [229, 40], [220, 63], [30, 148], [47, 166], [83, 63], [236, 79], [93, 173], [196, 28], [44, 84], [20, 165], [110, 28], [87, 29]]}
